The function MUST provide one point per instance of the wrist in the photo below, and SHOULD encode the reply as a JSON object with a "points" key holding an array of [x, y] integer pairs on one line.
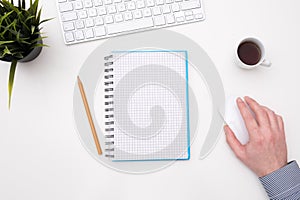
{"points": [[271, 169]]}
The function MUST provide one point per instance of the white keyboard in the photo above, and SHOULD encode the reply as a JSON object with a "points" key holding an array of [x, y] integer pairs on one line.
{"points": [[85, 20]]}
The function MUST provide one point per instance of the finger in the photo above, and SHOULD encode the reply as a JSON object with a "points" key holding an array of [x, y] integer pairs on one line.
{"points": [[248, 118], [272, 118], [280, 123], [260, 113], [233, 142]]}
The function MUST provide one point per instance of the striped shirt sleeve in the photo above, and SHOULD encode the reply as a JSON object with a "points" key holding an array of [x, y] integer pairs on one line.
{"points": [[284, 183]]}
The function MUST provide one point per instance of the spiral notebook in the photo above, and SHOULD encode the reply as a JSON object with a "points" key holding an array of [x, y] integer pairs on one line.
{"points": [[146, 106]]}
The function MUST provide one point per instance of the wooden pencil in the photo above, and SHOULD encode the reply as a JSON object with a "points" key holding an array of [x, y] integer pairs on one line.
{"points": [[88, 113]]}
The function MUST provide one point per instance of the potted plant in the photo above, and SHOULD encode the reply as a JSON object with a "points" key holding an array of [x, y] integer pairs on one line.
{"points": [[20, 36]]}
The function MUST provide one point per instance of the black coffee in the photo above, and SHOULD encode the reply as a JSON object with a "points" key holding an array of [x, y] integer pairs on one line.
{"points": [[249, 53]]}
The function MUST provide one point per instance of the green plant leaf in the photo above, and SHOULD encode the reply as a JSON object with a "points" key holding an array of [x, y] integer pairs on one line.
{"points": [[28, 18], [33, 8], [25, 25], [5, 16], [45, 20], [6, 51], [25, 42], [38, 18], [39, 45], [5, 42], [12, 72], [38, 39], [32, 29]]}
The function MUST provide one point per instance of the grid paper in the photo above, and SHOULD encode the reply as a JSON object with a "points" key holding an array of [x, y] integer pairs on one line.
{"points": [[150, 105]]}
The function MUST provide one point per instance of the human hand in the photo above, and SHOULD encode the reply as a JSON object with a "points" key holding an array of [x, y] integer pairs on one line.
{"points": [[266, 150]]}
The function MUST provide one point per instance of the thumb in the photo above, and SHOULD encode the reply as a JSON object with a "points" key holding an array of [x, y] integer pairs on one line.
{"points": [[233, 142]]}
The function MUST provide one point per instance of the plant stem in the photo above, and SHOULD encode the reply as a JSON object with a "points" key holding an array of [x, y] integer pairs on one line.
{"points": [[11, 80]]}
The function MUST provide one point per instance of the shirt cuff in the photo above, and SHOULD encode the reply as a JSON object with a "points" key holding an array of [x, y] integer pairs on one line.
{"points": [[283, 182]]}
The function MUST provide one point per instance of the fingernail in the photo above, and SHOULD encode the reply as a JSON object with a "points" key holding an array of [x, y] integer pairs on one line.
{"points": [[225, 129], [239, 100], [247, 98]]}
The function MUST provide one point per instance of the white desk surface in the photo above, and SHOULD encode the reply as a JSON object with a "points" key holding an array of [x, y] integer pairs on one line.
{"points": [[40, 153]]}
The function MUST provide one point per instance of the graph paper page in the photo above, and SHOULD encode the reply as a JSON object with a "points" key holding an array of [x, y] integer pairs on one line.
{"points": [[150, 105]]}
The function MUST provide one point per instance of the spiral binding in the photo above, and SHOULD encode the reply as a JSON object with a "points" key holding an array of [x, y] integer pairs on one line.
{"points": [[109, 109]]}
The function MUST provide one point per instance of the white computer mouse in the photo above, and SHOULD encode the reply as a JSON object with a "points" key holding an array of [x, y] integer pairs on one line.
{"points": [[233, 118]]}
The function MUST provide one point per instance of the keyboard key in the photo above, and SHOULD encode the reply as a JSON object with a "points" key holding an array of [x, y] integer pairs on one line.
{"points": [[118, 17], [166, 9], [180, 19], [88, 3], [108, 19], [78, 5], [92, 12], [198, 16], [128, 16], [188, 13], [137, 14], [175, 7], [99, 21], [156, 11], [196, 11], [140, 4], [69, 37], [62, 1], [130, 26], [89, 22], [150, 3], [101, 10], [159, 20], [179, 14], [68, 26], [89, 33], [169, 1], [100, 31], [121, 7], [79, 35], [189, 18], [68, 16], [187, 5], [111, 9], [79, 24], [98, 3], [170, 19], [147, 12], [159, 2], [82, 14], [131, 5], [64, 7]]}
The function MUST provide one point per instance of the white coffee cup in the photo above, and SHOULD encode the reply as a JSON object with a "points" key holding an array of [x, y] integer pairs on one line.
{"points": [[262, 61]]}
